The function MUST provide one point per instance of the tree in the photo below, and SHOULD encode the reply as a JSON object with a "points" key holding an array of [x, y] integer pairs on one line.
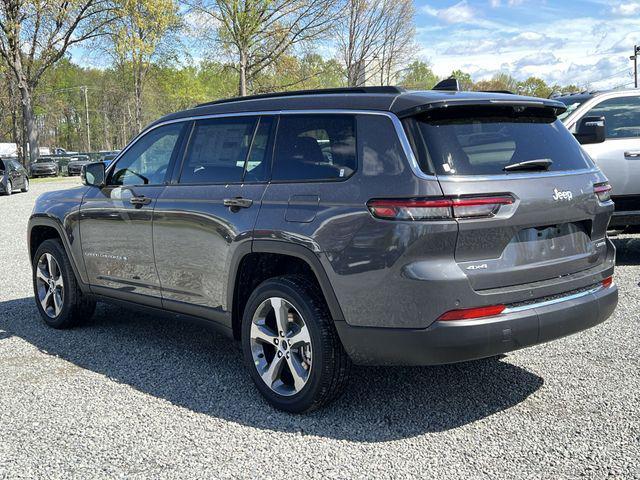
{"points": [[34, 35], [535, 87], [418, 75], [398, 35], [373, 38], [257, 33], [140, 29], [499, 82]]}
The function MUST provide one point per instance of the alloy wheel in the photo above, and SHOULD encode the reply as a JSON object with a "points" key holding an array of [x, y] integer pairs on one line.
{"points": [[9, 188], [281, 346], [50, 285]]}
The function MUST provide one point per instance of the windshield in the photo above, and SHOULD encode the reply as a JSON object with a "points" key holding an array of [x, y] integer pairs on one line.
{"points": [[45, 160], [476, 141], [572, 102]]}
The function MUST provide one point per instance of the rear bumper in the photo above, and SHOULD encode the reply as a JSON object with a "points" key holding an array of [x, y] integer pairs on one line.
{"points": [[458, 341]]}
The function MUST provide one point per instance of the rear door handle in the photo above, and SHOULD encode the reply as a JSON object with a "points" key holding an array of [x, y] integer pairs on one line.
{"points": [[139, 201], [237, 202], [633, 154]]}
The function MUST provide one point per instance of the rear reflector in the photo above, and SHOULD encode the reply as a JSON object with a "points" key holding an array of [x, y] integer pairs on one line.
{"points": [[607, 282], [437, 208], [471, 313], [602, 191]]}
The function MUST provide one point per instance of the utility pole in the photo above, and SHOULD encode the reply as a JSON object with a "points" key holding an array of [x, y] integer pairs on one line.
{"points": [[634, 57], [86, 111]]}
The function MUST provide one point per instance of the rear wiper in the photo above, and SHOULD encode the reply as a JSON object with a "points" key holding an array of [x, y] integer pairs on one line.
{"points": [[540, 164]]}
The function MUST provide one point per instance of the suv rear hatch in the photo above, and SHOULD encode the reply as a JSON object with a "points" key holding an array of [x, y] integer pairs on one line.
{"points": [[550, 205]]}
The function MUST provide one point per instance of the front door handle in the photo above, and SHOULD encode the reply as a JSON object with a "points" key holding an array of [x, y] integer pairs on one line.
{"points": [[237, 202], [140, 201], [633, 154]]}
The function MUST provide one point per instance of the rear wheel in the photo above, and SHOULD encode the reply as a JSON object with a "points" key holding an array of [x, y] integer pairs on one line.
{"points": [[59, 299], [291, 346], [25, 188]]}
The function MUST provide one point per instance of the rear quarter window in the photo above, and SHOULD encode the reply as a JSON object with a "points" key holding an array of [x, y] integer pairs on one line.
{"points": [[315, 147], [474, 141]]}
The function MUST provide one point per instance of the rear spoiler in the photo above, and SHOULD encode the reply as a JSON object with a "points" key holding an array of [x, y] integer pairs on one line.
{"points": [[554, 105]]}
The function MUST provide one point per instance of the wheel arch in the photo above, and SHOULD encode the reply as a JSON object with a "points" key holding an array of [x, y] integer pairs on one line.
{"points": [[45, 228], [267, 259]]}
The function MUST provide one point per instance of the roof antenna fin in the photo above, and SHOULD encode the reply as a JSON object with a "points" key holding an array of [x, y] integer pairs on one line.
{"points": [[449, 84]]}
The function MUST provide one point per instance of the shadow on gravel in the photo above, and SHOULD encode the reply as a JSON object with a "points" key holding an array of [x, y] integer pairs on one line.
{"points": [[627, 250], [196, 368]]}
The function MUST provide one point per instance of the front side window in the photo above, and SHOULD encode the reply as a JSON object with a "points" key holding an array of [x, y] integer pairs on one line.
{"points": [[146, 162], [477, 141], [622, 116], [315, 147], [218, 150]]}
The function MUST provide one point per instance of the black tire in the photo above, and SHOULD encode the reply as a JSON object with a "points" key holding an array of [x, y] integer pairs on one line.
{"points": [[25, 188], [330, 364], [9, 189], [76, 307]]}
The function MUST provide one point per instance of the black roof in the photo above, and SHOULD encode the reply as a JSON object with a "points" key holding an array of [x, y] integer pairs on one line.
{"points": [[388, 99]]}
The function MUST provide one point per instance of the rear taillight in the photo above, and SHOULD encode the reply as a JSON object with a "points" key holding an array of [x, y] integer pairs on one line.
{"points": [[607, 282], [437, 208], [602, 191], [471, 313]]}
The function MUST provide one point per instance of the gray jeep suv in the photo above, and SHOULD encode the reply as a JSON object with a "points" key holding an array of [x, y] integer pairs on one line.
{"points": [[319, 228]]}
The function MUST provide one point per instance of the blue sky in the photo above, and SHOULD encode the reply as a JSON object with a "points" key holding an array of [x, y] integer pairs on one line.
{"points": [[581, 42], [584, 42]]}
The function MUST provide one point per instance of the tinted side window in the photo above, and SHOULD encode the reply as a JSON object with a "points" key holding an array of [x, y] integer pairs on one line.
{"points": [[257, 168], [315, 147], [218, 150], [146, 162], [622, 116]]}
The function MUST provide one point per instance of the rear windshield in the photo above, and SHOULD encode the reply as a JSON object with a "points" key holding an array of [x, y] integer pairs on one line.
{"points": [[473, 141]]}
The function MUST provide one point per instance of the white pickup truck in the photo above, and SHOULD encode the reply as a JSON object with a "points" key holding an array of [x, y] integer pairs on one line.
{"points": [[607, 124]]}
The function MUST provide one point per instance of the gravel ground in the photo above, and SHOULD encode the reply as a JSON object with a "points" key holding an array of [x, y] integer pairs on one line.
{"points": [[132, 395]]}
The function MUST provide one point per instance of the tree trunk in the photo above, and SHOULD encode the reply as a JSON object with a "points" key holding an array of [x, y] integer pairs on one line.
{"points": [[242, 86], [29, 122], [16, 137], [138, 98]]}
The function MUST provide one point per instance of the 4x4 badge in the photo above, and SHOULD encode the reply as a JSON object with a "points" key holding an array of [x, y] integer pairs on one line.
{"points": [[562, 195]]}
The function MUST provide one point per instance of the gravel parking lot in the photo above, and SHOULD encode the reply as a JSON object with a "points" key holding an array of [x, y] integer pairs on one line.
{"points": [[131, 395]]}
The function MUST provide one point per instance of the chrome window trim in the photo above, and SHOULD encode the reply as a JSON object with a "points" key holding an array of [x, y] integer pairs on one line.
{"points": [[400, 132], [555, 301]]}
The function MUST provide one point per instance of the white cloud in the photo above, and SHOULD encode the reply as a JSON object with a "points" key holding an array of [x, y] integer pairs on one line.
{"points": [[626, 8], [536, 60], [461, 12]]}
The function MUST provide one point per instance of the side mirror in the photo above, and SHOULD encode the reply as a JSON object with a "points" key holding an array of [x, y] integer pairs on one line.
{"points": [[591, 130], [93, 174]]}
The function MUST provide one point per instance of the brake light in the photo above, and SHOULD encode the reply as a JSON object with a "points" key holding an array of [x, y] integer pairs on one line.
{"points": [[607, 282], [471, 313], [437, 208], [602, 191]]}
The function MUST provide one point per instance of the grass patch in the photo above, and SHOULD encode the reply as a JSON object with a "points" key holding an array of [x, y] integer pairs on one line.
{"points": [[52, 179]]}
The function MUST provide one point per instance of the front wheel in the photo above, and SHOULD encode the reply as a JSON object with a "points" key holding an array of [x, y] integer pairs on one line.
{"points": [[25, 188], [291, 346], [58, 297], [9, 189]]}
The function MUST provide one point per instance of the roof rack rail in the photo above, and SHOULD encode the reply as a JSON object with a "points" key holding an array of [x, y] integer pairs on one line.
{"points": [[509, 92], [320, 91]]}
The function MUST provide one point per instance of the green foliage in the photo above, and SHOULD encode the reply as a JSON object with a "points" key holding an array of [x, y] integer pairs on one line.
{"points": [[419, 76], [464, 79]]}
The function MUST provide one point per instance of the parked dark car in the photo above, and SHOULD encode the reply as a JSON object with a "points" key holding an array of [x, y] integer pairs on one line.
{"points": [[45, 167], [369, 225], [74, 167], [13, 177]]}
